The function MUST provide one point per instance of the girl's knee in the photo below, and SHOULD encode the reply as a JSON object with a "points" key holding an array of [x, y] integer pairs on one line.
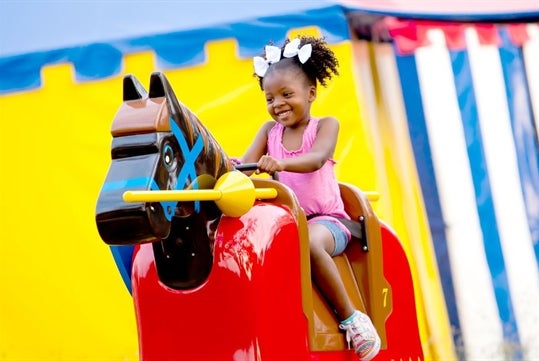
{"points": [[317, 247], [320, 243]]}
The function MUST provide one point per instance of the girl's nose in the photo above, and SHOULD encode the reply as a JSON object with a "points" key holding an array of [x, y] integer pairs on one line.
{"points": [[277, 102]]}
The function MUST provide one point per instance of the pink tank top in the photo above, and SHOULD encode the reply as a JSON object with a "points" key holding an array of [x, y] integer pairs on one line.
{"points": [[318, 191]]}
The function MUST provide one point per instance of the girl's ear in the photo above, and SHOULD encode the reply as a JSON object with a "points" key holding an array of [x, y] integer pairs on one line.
{"points": [[312, 93]]}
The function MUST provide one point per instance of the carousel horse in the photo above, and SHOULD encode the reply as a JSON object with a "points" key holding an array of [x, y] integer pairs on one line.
{"points": [[218, 262]]}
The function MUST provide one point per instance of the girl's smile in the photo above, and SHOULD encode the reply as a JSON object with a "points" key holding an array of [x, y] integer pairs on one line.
{"points": [[283, 115]]}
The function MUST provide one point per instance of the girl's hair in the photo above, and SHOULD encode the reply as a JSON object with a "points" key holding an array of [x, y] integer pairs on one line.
{"points": [[321, 65]]}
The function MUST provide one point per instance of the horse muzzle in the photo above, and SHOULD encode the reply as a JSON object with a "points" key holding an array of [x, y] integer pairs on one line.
{"points": [[122, 223]]}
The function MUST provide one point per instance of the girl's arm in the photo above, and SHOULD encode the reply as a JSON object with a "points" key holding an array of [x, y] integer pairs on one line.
{"points": [[322, 150], [259, 145]]}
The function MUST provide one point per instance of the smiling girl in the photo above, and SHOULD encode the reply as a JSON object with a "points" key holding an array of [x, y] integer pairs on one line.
{"points": [[300, 147]]}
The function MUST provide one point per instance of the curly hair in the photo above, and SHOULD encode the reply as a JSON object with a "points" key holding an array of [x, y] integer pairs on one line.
{"points": [[320, 67]]}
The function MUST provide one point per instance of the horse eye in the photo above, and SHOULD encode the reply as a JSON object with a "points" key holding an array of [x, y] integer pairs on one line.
{"points": [[168, 155]]}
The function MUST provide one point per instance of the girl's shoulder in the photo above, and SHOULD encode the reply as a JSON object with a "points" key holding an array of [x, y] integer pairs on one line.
{"points": [[327, 121], [267, 126]]}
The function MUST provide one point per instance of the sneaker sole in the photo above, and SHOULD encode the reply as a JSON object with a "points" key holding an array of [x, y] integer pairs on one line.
{"points": [[372, 354]]}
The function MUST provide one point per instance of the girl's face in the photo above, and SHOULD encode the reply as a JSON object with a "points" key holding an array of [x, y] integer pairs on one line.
{"points": [[288, 96]]}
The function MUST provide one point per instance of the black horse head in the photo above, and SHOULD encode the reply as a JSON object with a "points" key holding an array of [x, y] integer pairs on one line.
{"points": [[158, 144]]}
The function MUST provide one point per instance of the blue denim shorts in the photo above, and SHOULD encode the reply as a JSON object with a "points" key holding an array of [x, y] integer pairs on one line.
{"points": [[341, 240]]}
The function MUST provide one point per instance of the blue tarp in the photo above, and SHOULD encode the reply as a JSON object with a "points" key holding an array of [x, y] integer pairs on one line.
{"points": [[97, 51]]}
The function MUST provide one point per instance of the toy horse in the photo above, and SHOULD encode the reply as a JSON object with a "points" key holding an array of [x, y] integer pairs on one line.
{"points": [[218, 262], [158, 144]]}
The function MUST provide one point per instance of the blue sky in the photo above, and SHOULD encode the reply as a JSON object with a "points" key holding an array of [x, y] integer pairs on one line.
{"points": [[36, 25]]}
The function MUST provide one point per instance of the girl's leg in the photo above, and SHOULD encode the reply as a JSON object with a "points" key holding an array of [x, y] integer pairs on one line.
{"points": [[324, 270], [358, 326]]}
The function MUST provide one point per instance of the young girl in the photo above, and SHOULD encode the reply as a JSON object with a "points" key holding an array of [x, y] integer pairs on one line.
{"points": [[300, 147]]}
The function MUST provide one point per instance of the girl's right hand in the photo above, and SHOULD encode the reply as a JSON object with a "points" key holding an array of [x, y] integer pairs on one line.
{"points": [[235, 161]]}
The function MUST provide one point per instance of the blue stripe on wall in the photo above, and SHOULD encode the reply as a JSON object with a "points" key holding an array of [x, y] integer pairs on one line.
{"points": [[485, 206], [523, 131], [419, 138], [173, 50]]}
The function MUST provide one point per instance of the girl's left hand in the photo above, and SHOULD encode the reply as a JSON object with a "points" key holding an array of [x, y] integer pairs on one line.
{"points": [[270, 165]]}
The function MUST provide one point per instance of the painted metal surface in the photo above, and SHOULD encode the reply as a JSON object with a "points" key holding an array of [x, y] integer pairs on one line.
{"points": [[250, 306]]}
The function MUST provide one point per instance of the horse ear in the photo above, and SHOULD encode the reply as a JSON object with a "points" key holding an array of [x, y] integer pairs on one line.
{"points": [[159, 85], [133, 89]]}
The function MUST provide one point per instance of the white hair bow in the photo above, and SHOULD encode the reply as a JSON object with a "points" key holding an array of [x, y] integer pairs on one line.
{"points": [[273, 55], [292, 49]]}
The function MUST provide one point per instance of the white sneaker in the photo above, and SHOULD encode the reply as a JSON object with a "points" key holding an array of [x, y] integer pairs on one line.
{"points": [[363, 335]]}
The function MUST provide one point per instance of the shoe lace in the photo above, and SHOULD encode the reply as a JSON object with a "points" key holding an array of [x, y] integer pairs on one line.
{"points": [[354, 328]]}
